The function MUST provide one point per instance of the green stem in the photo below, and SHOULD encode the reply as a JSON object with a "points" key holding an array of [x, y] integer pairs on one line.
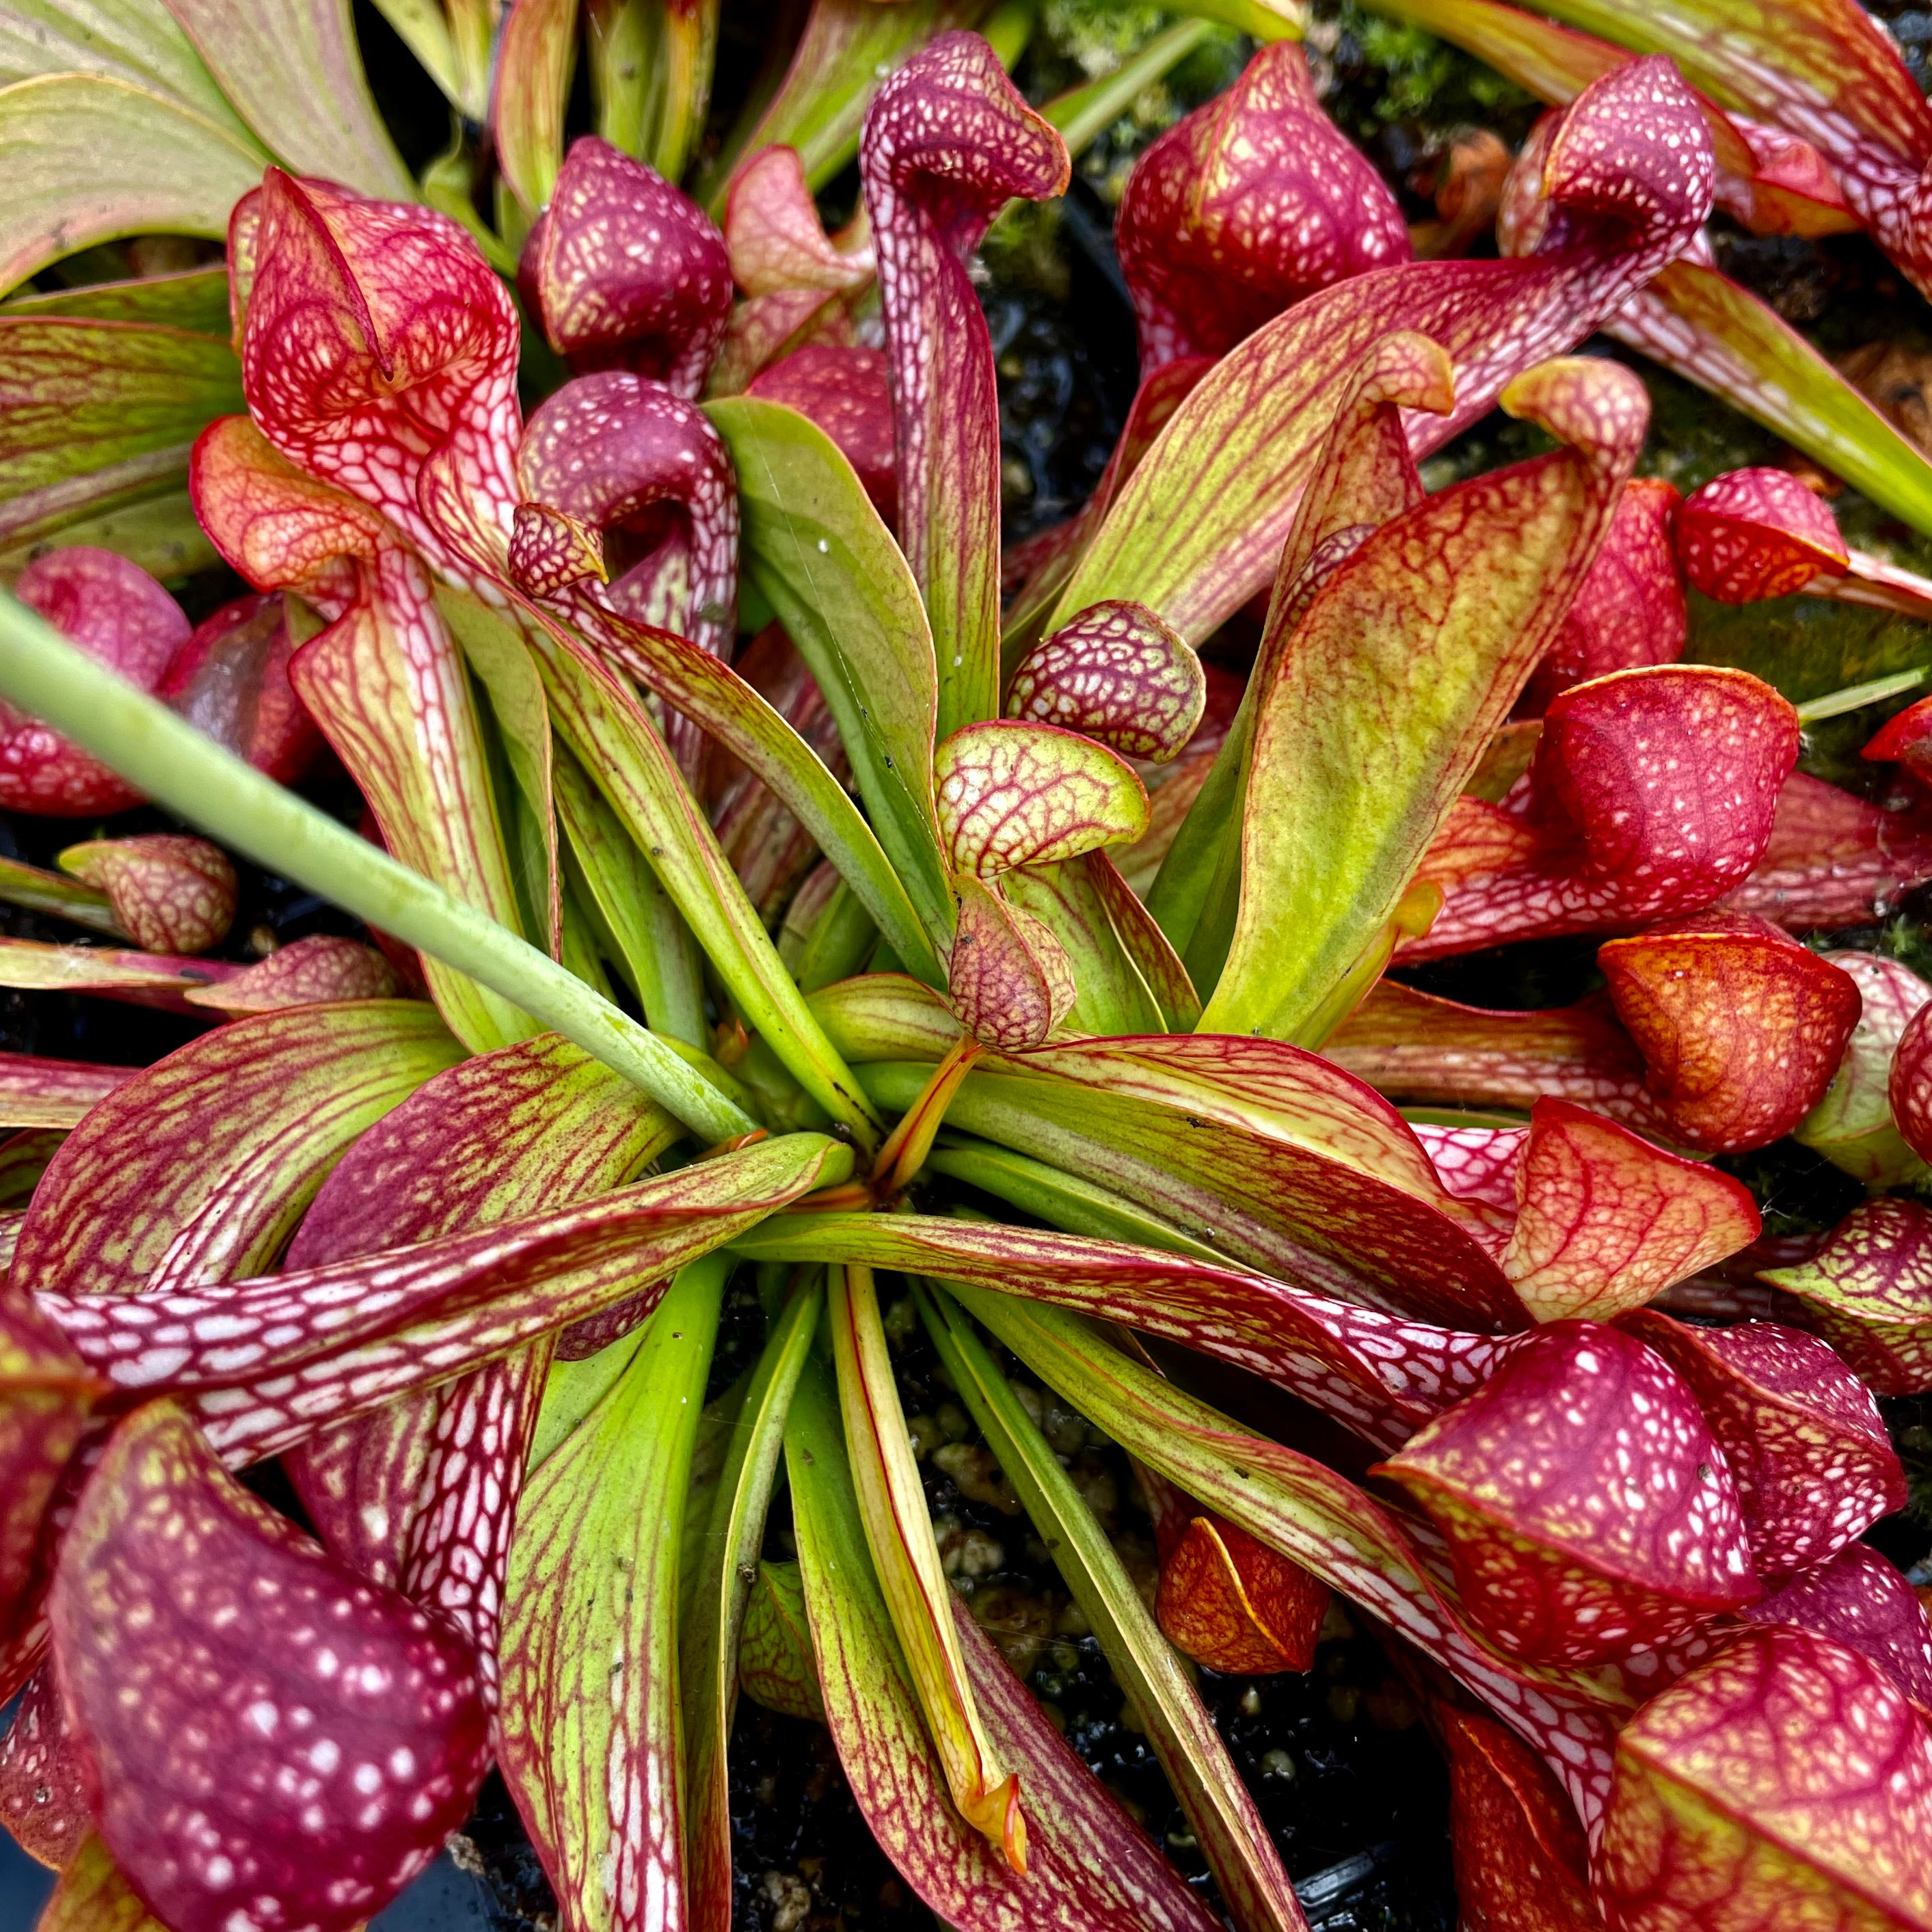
{"points": [[175, 765], [1084, 114]]}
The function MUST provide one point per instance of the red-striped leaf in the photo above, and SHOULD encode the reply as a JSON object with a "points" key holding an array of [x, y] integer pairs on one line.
{"points": [[469, 1299], [1013, 793], [1868, 1291], [1704, 326], [1010, 981], [46, 1393], [740, 1634], [1807, 1448], [1425, 1051], [1786, 1778], [624, 272], [99, 402], [982, 1783], [1823, 70], [1627, 182], [1833, 859], [417, 379], [590, 1746], [1117, 673], [1459, 596], [1651, 796], [776, 1667], [1243, 208], [1629, 611], [775, 237], [1042, 563], [421, 1494], [1588, 1509], [245, 1337], [1089, 1868], [1741, 1028], [946, 143], [293, 72], [1247, 1870], [169, 893], [298, 1743], [268, 1105], [116, 613], [1363, 478], [1380, 1375], [1284, 1202], [385, 681], [115, 973], [533, 64], [1306, 1512], [1911, 1083], [37, 1093]]}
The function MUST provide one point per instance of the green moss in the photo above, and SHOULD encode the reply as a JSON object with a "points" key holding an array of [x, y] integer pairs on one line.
{"points": [[1386, 72]]}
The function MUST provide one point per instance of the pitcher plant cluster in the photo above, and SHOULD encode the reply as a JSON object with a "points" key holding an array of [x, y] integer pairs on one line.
{"points": [[766, 870]]}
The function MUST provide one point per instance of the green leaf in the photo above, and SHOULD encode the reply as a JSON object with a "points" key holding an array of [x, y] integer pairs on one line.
{"points": [[818, 551], [1727, 340], [590, 1712], [57, 896], [292, 69], [158, 532], [713, 696], [905, 1558], [1391, 685], [533, 69], [424, 27], [1112, 996], [847, 48], [385, 685], [1310, 1514], [655, 946], [92, 158], [195, 299], [572, 1391], [1826, 60], [502, 664], [1089, 1869], [168, 759], [1229, 1829], [136, 41], [96, 412], [1062, 1200], [92, 1896], [1083, 114], [608, 732], [729, 1550]]}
